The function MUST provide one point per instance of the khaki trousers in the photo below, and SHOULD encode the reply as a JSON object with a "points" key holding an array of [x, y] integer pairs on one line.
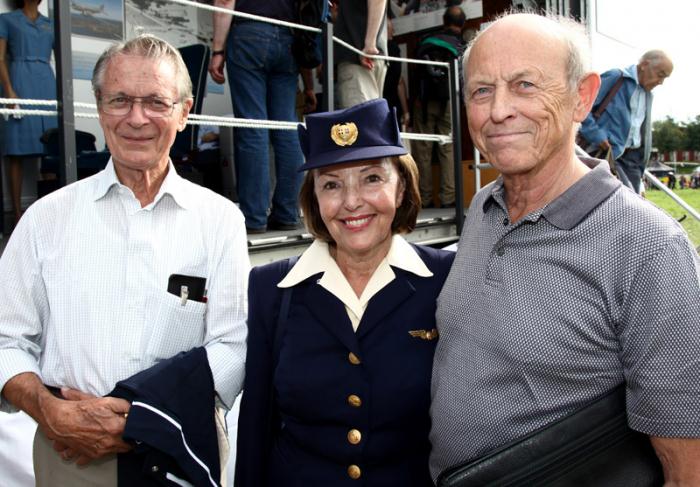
{"points": [[437, 121], [357, 84], [51, 470]]}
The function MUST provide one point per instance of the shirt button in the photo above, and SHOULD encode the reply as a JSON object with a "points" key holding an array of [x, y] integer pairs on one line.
{"points": [[505, 222], [354, 401], [154, 468], [354, 437], [354, 472], [500, 251], [354, 359]]}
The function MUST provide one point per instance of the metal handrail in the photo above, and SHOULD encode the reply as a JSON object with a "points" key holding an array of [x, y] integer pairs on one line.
{"points": [[655, 181]]}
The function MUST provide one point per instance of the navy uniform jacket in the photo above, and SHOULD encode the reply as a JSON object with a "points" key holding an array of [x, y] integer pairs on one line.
{"points": [[330, 380], [171, 421]]}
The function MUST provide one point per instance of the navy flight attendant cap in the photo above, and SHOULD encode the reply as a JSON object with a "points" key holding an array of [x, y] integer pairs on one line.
{"points": [[363, 132]]}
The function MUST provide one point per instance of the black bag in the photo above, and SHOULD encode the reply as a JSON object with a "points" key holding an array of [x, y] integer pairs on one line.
{"points": [[434, 80], [592, 447], [306, 46]]}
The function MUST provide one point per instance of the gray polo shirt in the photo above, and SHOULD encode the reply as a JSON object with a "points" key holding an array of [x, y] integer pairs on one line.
{"points": [[541, 317]]}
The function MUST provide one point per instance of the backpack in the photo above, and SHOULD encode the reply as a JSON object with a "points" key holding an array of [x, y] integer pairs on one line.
{"points": [[306, 46], [435, 80]]}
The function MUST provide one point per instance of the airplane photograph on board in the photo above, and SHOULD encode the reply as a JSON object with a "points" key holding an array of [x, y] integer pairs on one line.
{"points": [[87, 9], [103, 19]]}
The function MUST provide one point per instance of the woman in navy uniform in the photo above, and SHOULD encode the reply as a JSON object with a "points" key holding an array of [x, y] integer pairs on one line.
{"points": [[341, 342]]}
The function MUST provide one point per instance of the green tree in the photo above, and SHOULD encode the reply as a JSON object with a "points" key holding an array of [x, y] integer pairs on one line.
{"points": [[668, 135], [692, 135]]}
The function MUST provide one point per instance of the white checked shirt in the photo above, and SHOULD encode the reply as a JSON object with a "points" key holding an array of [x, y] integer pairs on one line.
{"points": [[317, 258], [83, 285]]}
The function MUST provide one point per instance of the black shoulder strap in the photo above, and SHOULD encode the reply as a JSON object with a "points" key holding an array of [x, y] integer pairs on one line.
{"points": [[608, 98], [283, 311]]}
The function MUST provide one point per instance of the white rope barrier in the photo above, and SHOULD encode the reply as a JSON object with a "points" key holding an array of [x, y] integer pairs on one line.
{"points": [[18, 112], [42, 113], [27, 101], [194, 119], [49, 103], [388, 58], [441, 139], [244, 15], [214, 120]]}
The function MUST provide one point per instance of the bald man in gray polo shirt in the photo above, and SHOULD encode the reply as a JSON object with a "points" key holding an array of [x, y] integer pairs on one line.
{"points": [[565, 284]]}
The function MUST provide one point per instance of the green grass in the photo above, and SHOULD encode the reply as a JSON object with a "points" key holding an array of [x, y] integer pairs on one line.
{"points": [[690, 196]]}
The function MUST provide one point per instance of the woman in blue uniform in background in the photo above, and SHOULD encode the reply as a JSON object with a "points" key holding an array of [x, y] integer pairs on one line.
{"points": [[341, 342], [26, 42]]}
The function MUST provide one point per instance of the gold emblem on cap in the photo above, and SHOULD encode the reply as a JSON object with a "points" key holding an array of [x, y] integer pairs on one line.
{"points": [[344, 133]]}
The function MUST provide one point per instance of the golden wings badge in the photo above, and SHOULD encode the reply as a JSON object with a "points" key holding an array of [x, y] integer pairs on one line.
{"points": [[344, 133], [424, 334]]}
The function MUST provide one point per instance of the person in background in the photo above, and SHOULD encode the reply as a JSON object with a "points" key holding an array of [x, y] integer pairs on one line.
{"points": [[109, 276], [362, 24], [337, 383], [395, 91], [432, 114], [561, 289], [26, 42], [262, 75], [625, 125]]}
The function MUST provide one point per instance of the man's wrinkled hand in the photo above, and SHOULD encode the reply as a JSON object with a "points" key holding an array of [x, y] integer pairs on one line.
{"points": [[85, 427]]}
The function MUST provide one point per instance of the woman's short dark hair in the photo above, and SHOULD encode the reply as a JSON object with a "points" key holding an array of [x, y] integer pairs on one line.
{"points": [[406, 214]]}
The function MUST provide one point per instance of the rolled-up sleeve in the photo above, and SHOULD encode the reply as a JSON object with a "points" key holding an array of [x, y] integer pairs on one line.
{"points": [[227, 308], [23, 306]]}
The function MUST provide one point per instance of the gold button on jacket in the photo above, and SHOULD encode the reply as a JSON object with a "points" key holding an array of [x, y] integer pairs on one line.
{"points": [[354, 401], [354, 359], [354, 472], [354, 436]]}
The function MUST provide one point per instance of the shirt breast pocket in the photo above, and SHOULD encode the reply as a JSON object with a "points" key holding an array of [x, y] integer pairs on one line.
{"points": [[175, 328]]}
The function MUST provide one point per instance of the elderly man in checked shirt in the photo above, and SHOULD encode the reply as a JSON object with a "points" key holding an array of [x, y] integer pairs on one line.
{"points": [[84, 280], [561, 289]]}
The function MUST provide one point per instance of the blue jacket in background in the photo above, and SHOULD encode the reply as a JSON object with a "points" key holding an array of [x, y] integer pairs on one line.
{"points": [[614, 123]]}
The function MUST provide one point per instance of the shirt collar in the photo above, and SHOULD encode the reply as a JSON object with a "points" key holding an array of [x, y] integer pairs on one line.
{"points": [[631, 72], [573, 205], [317, 259], [40, 19], [173, 185]]}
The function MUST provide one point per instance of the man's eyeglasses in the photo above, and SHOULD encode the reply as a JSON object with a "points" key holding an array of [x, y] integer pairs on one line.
{"points": [[153, 106]]}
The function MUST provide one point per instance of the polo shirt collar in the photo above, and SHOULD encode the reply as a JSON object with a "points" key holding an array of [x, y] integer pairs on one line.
{"points": [[173, 185], [572, 206], [317, 259]]}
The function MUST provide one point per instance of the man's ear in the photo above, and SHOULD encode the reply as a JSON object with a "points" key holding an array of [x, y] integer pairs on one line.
{"points": [[186, 107], [585, 96]]}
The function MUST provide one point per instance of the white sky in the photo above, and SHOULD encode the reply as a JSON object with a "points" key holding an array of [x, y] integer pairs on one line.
{"points": [[627, 28]]}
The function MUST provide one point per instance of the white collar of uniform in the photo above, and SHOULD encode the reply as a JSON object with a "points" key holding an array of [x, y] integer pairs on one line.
{"points": [[173, 184], [317, 259]]}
